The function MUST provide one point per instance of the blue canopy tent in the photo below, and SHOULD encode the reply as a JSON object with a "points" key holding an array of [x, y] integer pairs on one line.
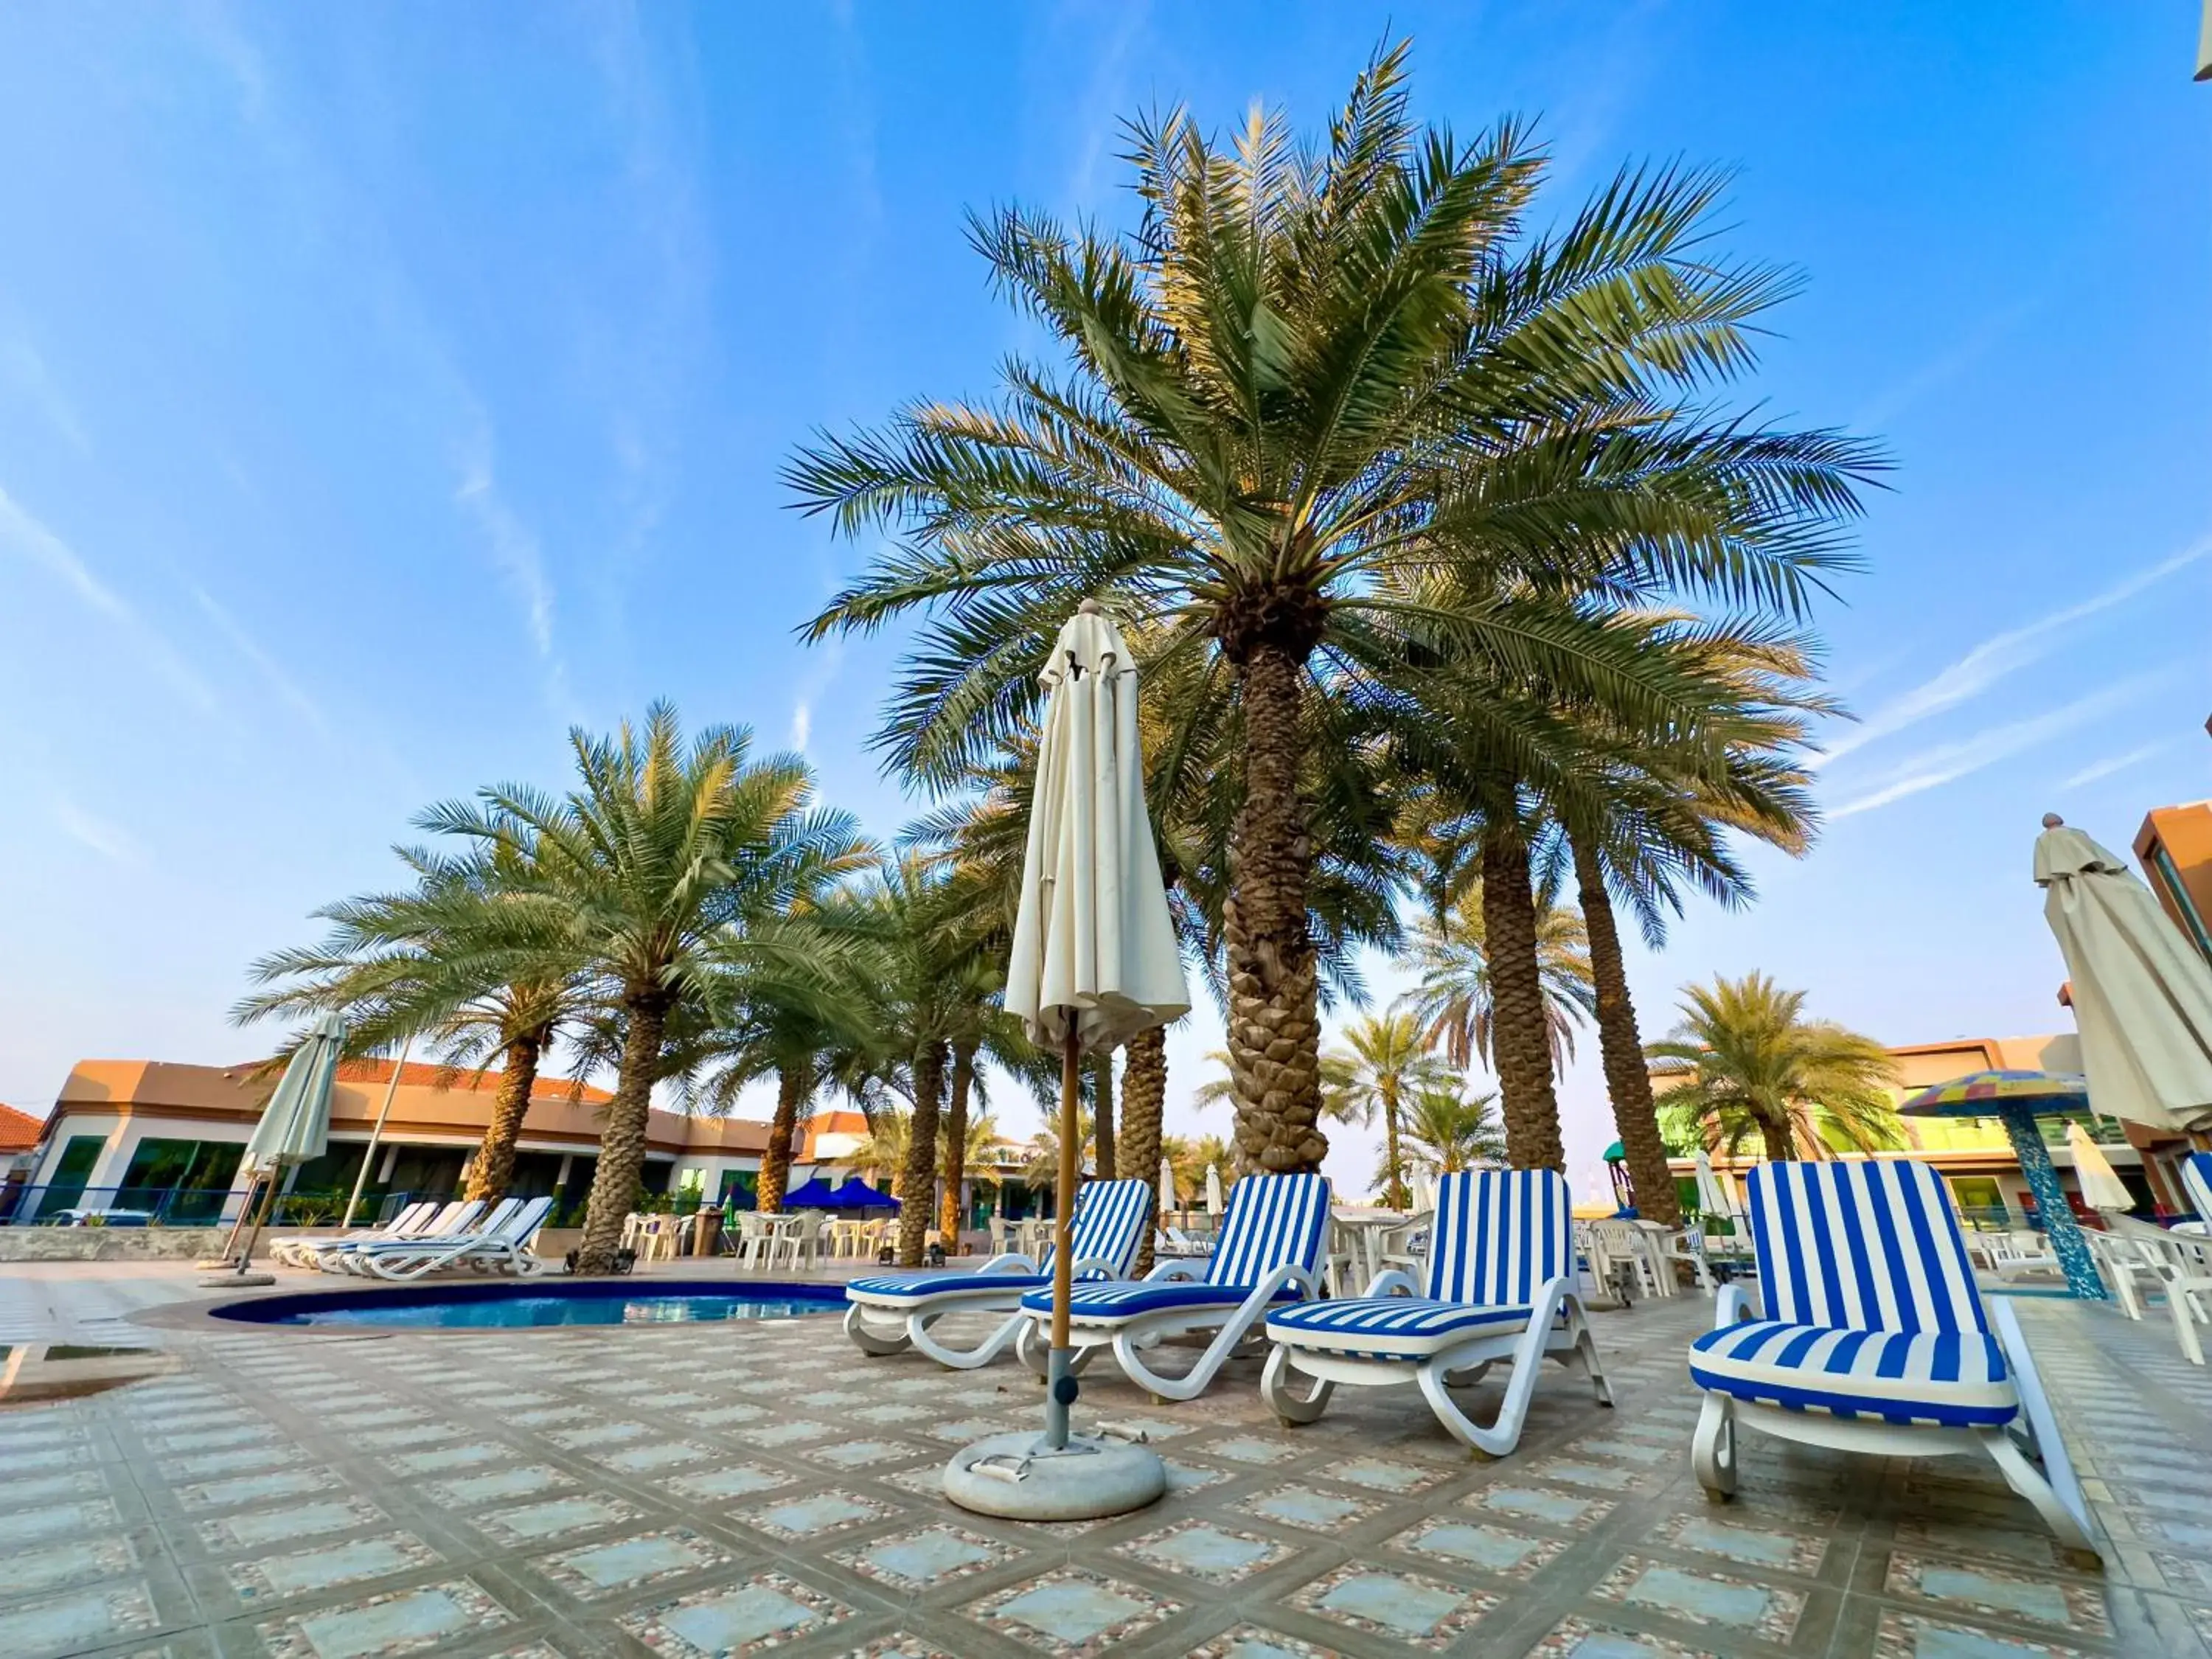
{"points": [[818, 1195]]}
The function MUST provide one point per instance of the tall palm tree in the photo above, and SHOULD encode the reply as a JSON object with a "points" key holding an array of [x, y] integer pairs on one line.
{"points": [[1746, 1061], [882, 1156], [661, 865], [436, 960], [1308, 371], [1447, 1132], [1384, 1063], [1454, 1001]]}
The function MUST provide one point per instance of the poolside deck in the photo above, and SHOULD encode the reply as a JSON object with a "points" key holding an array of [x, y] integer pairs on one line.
{"points": [[687, 1490]]}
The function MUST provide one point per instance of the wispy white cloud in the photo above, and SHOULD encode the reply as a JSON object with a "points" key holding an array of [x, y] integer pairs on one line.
{"points": [[1946, 763], [2111, 764], [802, 726], [514, 545], [2001, 655], [1939, 371], [23, 369], [26, 536], [110, 841], [280, 681]]}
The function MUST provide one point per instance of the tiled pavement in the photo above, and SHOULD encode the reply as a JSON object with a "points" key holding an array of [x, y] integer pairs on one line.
{"points": [[695, 1489]]}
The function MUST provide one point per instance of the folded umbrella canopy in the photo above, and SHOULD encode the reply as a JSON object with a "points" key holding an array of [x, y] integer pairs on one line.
{"points": [[295, 1127], [1094, 961], [2142, 993], [2102, 1190]]}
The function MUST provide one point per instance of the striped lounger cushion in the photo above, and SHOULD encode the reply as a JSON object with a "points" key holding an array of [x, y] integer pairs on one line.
{"points": [[1955, 1378], [1871, 1302], [1104, 1304], [1110, 1217], [920, 1287], [1500, 1236]]}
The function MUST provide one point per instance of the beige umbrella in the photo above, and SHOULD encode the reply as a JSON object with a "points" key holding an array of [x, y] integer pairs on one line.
{"points": [[2141, 994], [1167, 1188], [2102, 1189], [1094, 961], [1213, 1189]]}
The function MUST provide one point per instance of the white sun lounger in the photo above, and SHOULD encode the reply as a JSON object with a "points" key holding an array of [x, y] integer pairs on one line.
{"points": [[456, 1217], [301, 1252], [1875, 1339], [1109, 1221], [1500, 1286], [503, 1244], [1269, 1252]]}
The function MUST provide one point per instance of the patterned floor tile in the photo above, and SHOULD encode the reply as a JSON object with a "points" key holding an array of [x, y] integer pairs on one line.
{"points": [[76, 1621], [447, 1460], [633, 1562], [1307, 1507], [959, 1430], [652, 1458], [719, 1485], [916, 1561], [816, 1515], [1964, 1589], [1254, 1642], [1704, 1598], [1072, 1613], [1906, 1635], [524, 1481], [1577, 1638], [556, 1518], [22, 1527], [257, 1488], [594, 1436], [897, 1645], [1205, 1551], [55, 1567], [1250, 1449], [271, 1577], [1535, 1504], [1749, 1545], [753, 1617], [1464, 1544], [1408, 1608], [384, 1626], [723, 1417], [257, 1529], [1383, 1474]]}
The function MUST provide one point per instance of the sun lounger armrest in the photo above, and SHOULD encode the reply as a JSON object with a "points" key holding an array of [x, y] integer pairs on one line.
{"points": [[1736, 1304], [1183, 1268], [1014, 1261], [1392, 1281], [1098, 1264]]}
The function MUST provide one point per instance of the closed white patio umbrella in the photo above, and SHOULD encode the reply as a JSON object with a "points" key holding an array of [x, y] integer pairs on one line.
{"points": [[2141, 994], [1094, 961], [1213, 1189], [294, 1128], [1167, 1188], [2102, 1188]]}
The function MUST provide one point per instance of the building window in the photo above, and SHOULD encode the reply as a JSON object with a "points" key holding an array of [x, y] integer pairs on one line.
{"points": [[2162, 863], [159, 1164], [67, 1184]]}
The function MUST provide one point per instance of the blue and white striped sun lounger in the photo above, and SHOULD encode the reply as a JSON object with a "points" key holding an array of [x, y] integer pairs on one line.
{"points": [[340, 1255], [2196, 1181], [1269, 1250], [1501, 1285], [503, 1242], [894, 1312], [1875, 1339]]}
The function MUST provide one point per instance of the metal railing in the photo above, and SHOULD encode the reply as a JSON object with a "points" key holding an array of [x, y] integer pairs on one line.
{"points": [[67, 1204]]}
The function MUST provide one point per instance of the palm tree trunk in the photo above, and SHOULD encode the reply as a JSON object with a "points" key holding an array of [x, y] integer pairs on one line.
{"points": [[1519, 1041], [1621, 1048], [1394, 1166], [792, 1083], [615, 1182], [919, 1185], [1780, 1147], [493, 1168], [1274, 1017], [949, 1215], [1144, 1097], [1102, 1115]]}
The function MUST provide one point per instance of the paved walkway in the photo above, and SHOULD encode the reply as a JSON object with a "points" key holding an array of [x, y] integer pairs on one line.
{"points": [[690, 1490]]}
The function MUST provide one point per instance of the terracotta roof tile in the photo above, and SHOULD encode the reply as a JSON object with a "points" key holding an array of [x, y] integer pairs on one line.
{"points": [[421, 1074], [18, 1130]]}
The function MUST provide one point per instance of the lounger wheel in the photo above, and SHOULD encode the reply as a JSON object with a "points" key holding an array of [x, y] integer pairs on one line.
{"points": [[1712, 1451], [1275, 1389], [869, 1340]]}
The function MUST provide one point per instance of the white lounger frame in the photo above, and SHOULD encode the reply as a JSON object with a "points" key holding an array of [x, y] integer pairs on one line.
{"points": [[503, 1244], [1558, 1328], [915, 1326], [301, 1252], [1234, 1325], [2053, 1490]]}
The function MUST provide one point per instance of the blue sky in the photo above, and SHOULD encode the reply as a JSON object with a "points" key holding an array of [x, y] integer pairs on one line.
{"points": [[384, 389]]}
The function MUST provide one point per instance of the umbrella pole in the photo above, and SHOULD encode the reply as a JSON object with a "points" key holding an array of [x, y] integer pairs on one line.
{"points": [[1061, 1386], [261, 1220], [2064, 1232], [245, 1209]]}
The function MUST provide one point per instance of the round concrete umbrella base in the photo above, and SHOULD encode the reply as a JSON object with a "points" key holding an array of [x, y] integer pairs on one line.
{"points": [[1016, 1477]]}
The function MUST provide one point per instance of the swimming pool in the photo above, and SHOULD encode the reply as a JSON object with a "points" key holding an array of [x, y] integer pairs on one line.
{"points": [[536, 1303]]}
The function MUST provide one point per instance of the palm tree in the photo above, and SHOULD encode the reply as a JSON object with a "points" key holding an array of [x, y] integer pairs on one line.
{"points": [[659, 867], [883, 1155], [1447, 1132], [435, 960], [1746, 1061], [1308, 373], [1661, 832], [1453, 1002], [1384, 1063]]}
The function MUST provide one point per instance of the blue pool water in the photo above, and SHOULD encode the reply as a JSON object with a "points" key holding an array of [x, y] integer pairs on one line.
{"points": [[512, 1306]]}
